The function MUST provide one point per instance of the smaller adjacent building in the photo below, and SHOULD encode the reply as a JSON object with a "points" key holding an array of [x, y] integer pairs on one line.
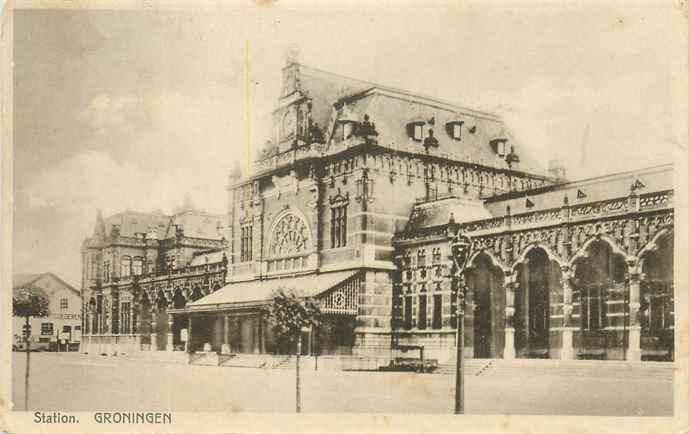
{"points": [[136, 265], [61, 330]]}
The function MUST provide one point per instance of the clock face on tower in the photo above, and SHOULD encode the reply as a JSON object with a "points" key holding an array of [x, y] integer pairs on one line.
{"points": [[289, 123]]}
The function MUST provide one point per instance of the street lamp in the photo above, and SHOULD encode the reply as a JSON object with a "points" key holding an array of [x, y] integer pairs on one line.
{"points": [[460, 248]]}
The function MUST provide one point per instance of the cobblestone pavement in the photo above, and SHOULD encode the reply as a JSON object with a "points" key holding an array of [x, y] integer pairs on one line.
{"points": [[77, 382]]}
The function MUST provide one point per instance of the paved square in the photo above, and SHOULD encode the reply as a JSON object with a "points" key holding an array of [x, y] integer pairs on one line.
{"points": [[76, 382]]}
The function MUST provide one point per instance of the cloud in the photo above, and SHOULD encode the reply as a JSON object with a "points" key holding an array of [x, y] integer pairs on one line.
{"points": [[57, 208], [114, 116]]}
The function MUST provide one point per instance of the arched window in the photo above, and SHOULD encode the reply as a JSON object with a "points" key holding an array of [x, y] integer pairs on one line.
{"points": [[126, 266], [90, 266], [598, 279], [137, 266], [657, 311]]}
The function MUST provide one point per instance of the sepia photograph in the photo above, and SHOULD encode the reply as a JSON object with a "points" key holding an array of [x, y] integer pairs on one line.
{"points": [[427, 210]]}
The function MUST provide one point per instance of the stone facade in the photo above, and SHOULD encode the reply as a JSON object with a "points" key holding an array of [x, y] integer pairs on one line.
{"points": [[142, 265], [350, 202], [591, 277]]}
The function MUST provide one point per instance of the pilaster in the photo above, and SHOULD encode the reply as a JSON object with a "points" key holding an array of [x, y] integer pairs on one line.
{"points": [[510, 282], [634, 345], [169, 344], [154, 336], [567, 352], [225, 348]]}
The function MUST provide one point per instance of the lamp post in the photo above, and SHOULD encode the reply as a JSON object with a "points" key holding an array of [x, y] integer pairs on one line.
{"points": [[460, 248]]}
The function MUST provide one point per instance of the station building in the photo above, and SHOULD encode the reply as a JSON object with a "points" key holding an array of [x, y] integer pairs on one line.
{"points": [[350, 203], [136, 265]]}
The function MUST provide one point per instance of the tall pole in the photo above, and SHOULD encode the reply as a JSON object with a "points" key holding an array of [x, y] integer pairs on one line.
{"points": [[459, 375], [460, 248], [298, 382], [28, 357]]}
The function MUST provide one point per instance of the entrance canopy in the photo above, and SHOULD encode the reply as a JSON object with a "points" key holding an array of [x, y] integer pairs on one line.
{"points": [[338, 290]]}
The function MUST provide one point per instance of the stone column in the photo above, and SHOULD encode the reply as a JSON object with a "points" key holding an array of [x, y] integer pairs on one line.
{"points": [[137, 329], [188, 343], [225, 349], [255, 334], [634, 346], [133, 343], [509, 351], [316, 221], [131, 318], [567, 352], [154, 335], [170, 338]]}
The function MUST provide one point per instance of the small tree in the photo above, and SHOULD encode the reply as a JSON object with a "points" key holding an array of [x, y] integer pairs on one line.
{"points": [[289, 314], [29, 302]]}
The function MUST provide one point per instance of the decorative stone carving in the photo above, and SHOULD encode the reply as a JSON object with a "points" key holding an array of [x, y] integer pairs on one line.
{"points": [[290, 236]]}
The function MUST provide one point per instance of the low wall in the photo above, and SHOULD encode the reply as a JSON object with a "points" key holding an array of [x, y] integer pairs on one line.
{"points": [[112, 344], [436, 345]]}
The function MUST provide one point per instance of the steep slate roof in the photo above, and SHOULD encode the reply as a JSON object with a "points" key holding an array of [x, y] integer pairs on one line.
{"points": [[658, 178], [437, 213], [20, 280], [199, 224], [257, 292], [391, 109], [133, 222], [206, 258], [324, 88], [196, 224]]}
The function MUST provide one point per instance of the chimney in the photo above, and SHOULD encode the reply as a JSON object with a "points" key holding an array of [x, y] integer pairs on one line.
{"points": [[292, 54], [556, 169]]}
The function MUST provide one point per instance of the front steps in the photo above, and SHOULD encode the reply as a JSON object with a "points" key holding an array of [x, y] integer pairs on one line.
{"points": [[567, 368], [270, 361]]}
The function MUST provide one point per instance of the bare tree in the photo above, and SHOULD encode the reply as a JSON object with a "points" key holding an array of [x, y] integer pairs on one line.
{"points": [[289, 314], [29, 302]]}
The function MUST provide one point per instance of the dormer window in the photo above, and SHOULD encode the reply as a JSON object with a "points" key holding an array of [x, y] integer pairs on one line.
{"points": [[454, 128], [416, 128], [418, 132], [500, 147], [348, 120], [457, 131]]}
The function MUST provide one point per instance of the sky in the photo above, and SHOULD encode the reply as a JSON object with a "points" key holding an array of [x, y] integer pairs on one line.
{"points": [[141, 108]]}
